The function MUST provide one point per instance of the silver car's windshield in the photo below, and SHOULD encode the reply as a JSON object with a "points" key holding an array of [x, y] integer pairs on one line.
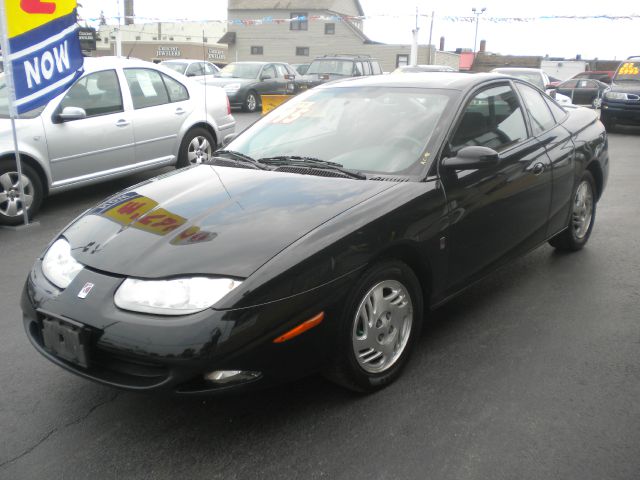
{"points": [[240, 70], [332, 67], [369, 129], [179, 67], [4, 103]]}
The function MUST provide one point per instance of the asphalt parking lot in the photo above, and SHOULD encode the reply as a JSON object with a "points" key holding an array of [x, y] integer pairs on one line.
{"points": [[533, 373]]}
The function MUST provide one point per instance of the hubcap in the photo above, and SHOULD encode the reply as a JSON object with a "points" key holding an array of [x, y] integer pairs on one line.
{"points": [[10, 202], [251, 102], [582, 210], [199, 150], [382, 325]]}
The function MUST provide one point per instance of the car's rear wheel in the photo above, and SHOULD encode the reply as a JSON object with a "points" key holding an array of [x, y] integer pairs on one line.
{"points": [[11, 206], [251, 101], [583, 215], [197, 147], [379, 328]]}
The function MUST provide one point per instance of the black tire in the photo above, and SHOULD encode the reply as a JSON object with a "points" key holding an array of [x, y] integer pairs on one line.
{"points": [[572, 239], [185, 147], [346, 370], [251, 102], [9, 192]]}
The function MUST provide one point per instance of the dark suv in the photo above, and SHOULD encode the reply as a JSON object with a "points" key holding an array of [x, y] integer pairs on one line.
{"points": [[621, 102], [333, 67]]}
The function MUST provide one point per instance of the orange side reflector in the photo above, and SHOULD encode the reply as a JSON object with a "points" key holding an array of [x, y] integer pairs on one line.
{"points": [[303, 327]]}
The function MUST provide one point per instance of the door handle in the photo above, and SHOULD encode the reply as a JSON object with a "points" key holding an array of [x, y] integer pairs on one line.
{"points": [[180, 111], [538, 168], [122, 123]]}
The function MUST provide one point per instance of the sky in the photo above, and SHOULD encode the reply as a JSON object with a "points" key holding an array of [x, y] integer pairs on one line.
{"points": [[603, 39]]}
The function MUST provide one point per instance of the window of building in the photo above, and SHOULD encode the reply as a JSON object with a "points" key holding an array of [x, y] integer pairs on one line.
{"points": [[329, 28], [204, 39], [302, 51], [402, 60], [188, 39], [137, 37], [164, 37], [106, 40], [257, 51], [302, 23], [155, 38], [170, 38]]}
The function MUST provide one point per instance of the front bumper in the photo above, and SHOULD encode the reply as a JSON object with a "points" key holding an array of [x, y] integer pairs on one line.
{"points": [[140, 352], [623, 112]]}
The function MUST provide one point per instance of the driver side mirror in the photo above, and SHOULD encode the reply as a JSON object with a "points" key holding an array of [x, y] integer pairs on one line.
{"points": [[472, 158], [72, 113]]}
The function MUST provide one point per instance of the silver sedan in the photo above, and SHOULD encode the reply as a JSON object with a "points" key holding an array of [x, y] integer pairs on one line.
{"points": [[121, 116]]}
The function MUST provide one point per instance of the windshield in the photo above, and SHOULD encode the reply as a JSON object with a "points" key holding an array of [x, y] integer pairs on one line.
{"points": [[4, 103], [333, 67], [367, 129], [531, 77], [628, 72], [240, 70], [179, 67]]}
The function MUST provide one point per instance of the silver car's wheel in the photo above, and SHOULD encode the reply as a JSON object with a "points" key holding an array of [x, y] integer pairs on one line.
{"points": [[582, 209], [382, 326], [11, 206], [199, 150], [10, 201], [197, 147]]}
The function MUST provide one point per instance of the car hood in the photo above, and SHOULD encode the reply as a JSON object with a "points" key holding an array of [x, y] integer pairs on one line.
{"points": [[209, 220], [626, 87]]}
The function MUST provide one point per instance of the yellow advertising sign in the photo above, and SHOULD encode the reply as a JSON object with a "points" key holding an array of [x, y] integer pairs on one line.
{"points": [[26, 15]]}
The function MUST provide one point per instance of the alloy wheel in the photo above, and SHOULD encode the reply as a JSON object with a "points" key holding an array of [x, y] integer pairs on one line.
{"points": [[582, 210], [10, 201], [382, 326], [199, 150]]}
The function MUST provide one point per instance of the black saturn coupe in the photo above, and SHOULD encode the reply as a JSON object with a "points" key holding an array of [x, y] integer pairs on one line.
{"points": [[319, 239]]}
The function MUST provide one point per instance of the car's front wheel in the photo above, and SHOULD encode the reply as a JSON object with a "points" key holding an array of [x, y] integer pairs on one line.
{"points": [[11, 206], [379, 328], [251, 102], [583, 215], [197, 147]]}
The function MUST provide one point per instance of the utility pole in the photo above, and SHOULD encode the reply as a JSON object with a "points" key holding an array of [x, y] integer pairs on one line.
{"points": [[477, 13], [118, 34], [413, 58], [433, 14]]}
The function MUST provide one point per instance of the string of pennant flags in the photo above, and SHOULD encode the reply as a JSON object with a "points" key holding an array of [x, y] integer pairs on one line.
{"points": [[269, 20]]}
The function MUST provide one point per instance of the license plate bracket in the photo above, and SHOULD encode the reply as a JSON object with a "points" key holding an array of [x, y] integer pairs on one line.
{"points": [[67, 340]]}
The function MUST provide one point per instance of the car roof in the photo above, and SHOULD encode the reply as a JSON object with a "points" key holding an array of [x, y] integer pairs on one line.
{"points": [[100, 63], [444, 80], [516, 69]]}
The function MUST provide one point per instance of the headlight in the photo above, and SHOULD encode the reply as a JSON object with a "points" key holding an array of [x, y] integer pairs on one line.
{"points": [[172, 297], [58, 265], [232, 87], [615, 96]]}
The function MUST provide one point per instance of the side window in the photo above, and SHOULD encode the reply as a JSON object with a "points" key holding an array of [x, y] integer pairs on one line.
{"points": [[195, 69], [493, 118], [209, 69], [269, 70], [282, 71], [558, 112], [98, 94], [177, 91], [375, 66], [539, 113], [569, 84], [367, 68], [146, 86]]}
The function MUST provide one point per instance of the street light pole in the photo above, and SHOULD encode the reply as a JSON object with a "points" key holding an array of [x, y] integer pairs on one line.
{"points": [[477, 13]]}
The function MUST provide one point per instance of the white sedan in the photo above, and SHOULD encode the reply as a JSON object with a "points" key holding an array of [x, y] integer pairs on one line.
{"points": [[121, 116]]}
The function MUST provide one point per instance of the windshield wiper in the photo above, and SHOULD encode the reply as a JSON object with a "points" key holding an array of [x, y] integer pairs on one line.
{"points": [[311, 162], [241, 158]]}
